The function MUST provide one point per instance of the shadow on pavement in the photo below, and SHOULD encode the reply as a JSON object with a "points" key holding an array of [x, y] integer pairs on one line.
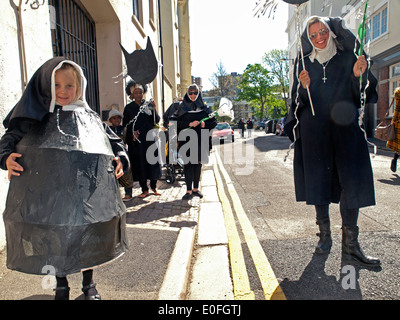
{"points": [[315, 284]]}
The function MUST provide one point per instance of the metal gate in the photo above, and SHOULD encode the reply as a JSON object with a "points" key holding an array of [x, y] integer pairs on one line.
{"points": [[74, 37]]}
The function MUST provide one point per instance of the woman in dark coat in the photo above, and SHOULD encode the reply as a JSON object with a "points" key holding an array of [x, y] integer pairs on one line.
{"points": [[331, 162], [193, 138], [140, 117], [241, 127]]}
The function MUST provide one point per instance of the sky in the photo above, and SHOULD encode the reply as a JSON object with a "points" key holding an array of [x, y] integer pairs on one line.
{"points": [[227, 31]]}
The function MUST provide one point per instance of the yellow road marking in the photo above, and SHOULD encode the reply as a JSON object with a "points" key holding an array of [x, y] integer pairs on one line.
{"points": [[270, 285], [241, 283]]}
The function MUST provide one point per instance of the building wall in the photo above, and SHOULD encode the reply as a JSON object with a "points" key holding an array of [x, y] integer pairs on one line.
{"points": [[170, 43], [184, 47], [37, 43]]}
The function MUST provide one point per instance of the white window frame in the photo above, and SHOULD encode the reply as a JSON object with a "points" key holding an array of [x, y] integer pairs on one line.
{"points": [[377, 18]]}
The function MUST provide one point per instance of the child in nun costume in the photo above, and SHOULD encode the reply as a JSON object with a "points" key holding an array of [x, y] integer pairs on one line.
{"points": [[64, 209]]}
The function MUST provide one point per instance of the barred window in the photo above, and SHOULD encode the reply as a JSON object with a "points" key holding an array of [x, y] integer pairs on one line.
{"points": [[73, 34]]}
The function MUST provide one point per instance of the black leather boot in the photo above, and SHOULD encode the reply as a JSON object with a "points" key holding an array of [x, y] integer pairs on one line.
{"points": [[393, 165], [351, 248], [325, 240], [90, 292], [62, 293]]}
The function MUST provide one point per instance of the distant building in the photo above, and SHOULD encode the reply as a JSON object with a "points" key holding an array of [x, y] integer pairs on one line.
{"points": [[198, 81]]}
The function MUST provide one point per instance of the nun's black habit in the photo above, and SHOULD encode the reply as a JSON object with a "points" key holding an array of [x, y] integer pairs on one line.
{"points": [[65, 209], [142, 168], [331, 153], [188, 112]]}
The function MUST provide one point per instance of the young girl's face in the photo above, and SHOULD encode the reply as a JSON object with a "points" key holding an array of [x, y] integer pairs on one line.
{"points": [[66, 86], [137, 94]]}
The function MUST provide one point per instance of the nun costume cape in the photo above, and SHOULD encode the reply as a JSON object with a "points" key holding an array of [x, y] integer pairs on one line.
{"points": [[331, 153], [65, 209]]}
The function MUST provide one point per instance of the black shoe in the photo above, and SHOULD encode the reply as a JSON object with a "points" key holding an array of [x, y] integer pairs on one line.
{"points": [[62, 293], [90, 292], [187, 196], [197, 194], [393, 165], [351, 248], [325, 240]]}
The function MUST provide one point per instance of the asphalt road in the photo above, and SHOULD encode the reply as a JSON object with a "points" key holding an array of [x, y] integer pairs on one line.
{"points": [[286, 229]]}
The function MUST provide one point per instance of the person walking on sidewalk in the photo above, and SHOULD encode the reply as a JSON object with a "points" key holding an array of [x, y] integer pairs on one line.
{"points": [[249, 128], [241, 127], [395, 144], [331, 160], [139, 118], [64, 210], [191, 138]]}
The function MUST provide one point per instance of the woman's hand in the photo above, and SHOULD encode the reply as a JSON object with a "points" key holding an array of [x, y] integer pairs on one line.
{"points": [[119, 170], [194, 123], [360, 66], [136, 135], [13, 166], [203, 124], [304, 79]]}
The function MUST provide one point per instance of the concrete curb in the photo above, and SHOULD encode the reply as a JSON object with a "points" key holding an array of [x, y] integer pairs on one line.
{"points": [[177, 275], [188, 276], [210, 274]]}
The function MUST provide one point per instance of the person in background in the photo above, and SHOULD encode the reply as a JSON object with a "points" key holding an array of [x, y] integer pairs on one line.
{"points": [[188, 117], [241, 127], [249, 128], [139, 118], [115, 118], [395, 144], [126, 181]]}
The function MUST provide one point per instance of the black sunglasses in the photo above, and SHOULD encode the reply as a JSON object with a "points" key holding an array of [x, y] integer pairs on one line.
{"points": [[193, 93]]}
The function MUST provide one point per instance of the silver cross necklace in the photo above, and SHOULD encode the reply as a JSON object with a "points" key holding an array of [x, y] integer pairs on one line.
{"points": [[323, 67]]}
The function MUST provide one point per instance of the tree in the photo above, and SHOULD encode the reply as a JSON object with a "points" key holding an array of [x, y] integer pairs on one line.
{"points": [[225, 84], [276, 62], [256, 87]]}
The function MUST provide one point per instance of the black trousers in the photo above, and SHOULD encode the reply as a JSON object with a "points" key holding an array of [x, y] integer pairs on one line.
{"points": [[143, 185], [192, 175], [349, 216]]}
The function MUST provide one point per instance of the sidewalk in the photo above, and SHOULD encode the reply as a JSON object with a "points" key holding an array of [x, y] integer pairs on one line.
{"points": [[159, 263], [381, 145]]}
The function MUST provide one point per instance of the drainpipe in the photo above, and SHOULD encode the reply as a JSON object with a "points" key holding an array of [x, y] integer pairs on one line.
{"points": [[21, 42], [162, 58]]}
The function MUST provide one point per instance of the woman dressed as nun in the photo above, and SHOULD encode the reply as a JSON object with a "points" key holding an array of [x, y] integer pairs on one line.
{"points": [[331, 161]]}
